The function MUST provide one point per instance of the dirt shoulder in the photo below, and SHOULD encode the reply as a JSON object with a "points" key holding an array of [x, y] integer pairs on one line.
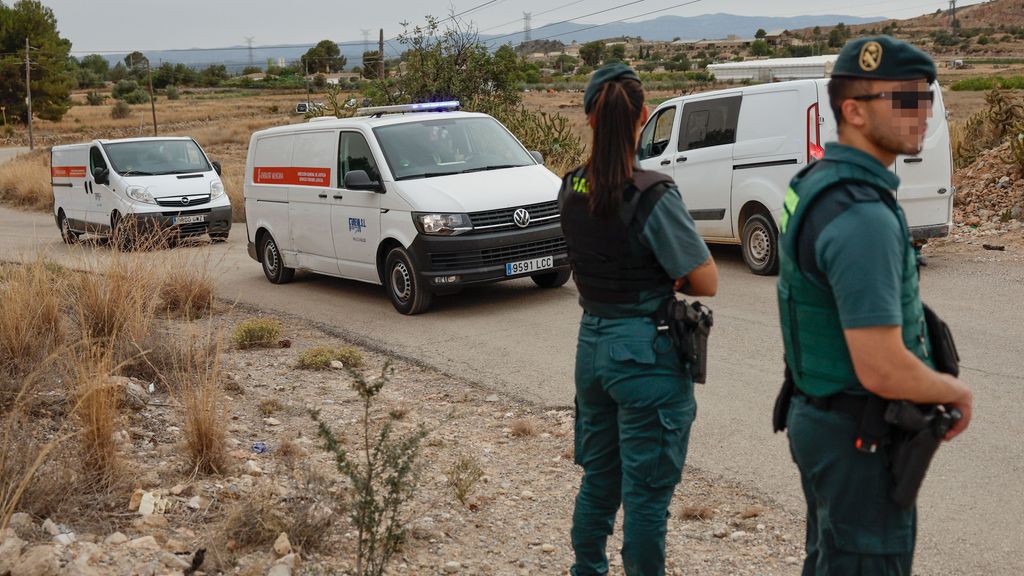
{"points": [[515, 519]]}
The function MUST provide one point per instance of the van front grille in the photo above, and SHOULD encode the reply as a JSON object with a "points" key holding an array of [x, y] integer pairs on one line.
{"points": [[186, 201], [504, 218], [442, 261]]}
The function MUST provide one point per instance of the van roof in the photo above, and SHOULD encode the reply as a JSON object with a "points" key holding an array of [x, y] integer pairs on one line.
{"points": [[368, 121], [750, 89], [119, 141]]}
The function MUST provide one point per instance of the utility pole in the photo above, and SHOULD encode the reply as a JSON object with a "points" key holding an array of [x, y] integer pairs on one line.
{"points": [[527, 28], [952, 14], [380, 61], [28, 92], [366, 40], [152, 99], [248, 41]]}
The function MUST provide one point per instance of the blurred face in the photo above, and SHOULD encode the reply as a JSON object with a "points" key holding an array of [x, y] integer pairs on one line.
{"points": [[896, 115]]}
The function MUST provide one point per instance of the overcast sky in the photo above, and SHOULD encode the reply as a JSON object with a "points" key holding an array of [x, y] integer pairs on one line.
{"points": [[125, 25]]}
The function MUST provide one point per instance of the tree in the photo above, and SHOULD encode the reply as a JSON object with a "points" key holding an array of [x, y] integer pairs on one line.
{"points": [[325, 57], [213, 75], [96, 63], [118, 72], [838, 36], [760, 35], [617, 52], [759, 48], [137, 65], [566, 63], [51, 83], [592, 53]]}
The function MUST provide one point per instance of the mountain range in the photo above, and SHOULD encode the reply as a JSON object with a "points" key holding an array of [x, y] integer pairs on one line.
{"points": [[707, 26]]}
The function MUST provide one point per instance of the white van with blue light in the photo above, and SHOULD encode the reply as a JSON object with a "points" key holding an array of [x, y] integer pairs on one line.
{"points": [[138, 185], [420, 198]]}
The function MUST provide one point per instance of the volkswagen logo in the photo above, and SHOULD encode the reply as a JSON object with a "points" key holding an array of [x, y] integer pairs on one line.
{"points": [[184, 200], [521, 218]]}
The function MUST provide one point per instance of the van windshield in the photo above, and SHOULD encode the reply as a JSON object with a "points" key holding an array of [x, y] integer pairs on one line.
{"points": [[449, 146], [151, 157]]}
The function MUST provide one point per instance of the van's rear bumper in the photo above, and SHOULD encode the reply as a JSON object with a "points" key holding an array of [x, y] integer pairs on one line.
{"points": [[215, 220], [926, 232], [447, 262]]}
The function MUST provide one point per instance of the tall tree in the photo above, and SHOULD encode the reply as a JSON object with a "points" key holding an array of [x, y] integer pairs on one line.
{"points": [[592, 53], [760, 34], [51, 82], [325, 57]]}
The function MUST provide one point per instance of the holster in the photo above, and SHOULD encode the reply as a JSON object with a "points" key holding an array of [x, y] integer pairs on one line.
{"points": [[688, 325], [781, 411], [917, 432]]}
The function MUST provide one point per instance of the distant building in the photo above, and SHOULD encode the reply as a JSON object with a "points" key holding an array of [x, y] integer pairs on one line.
{"points": [[774, 69], [338, 77]]}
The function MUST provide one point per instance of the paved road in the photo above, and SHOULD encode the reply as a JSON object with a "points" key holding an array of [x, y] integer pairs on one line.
{"points": [[520, 340]]}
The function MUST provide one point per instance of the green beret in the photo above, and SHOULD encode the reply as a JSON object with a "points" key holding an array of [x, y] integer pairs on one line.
{"points": [[606, 73], [883, 58]]}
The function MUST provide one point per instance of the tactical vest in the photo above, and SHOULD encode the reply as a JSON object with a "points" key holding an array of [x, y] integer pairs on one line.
{"points": [[609, 263], [816, 350]]}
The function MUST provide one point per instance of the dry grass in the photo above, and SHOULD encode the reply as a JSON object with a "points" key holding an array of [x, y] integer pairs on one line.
{"points": [[96, 402], [463, 476], [204, 411], [270, 406], [25, 181], [523, 428], [31, 321], [257, 332], [116, 306], [187, 290]]}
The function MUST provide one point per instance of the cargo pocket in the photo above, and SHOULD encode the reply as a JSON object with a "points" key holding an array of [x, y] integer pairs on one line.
{"points": [[674, 424]]}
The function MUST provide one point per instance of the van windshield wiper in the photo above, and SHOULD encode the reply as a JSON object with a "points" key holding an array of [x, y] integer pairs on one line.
{"points": [[492, 167], [426, 175], [183, 171], [136, 173]]}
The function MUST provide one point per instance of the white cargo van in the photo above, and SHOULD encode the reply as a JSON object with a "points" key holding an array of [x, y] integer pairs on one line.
{"points": [[419, 198], [146, 183], [733, 152]]}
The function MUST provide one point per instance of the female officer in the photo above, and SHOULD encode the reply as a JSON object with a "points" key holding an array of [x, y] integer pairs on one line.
{"points": [[631, 245]]}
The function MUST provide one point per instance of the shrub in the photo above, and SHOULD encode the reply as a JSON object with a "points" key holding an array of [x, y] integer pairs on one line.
{"points": [[115, 306], [522, 428], [31, 320], [320, 357], [96, 399], [124, 88], [383, 478], [120, 110], [204, 412], [257, 332], [187, 290], [172, 93], [95, 98], [137, 97]]}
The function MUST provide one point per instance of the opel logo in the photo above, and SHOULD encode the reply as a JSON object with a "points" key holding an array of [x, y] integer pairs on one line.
{"points": [[184, 200], [521, 218]]}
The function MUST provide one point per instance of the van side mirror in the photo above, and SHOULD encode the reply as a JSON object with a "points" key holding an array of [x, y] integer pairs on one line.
{"points": [[537, 156], [216, 167], [101, 175], [360, 180]]}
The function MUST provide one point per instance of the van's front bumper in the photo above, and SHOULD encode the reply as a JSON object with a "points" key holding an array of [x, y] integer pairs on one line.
{"points": [[927, 232], [215, 220], [447, 262]]}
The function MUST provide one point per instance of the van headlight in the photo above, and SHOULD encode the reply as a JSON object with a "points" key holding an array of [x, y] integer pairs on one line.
{"points": [[216, 189], [442, 224], [140, 194]]}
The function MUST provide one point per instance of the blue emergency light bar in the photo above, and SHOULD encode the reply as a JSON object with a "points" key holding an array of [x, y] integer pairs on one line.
{"points": [[404, 108]]}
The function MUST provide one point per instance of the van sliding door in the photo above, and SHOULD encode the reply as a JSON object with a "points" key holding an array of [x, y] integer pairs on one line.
{"points": [[703, 162]]}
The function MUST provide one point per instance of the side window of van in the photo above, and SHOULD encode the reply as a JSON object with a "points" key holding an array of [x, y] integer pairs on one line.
{"points": [[709, 123], [656, 134], [96, 159], [354, 154]]}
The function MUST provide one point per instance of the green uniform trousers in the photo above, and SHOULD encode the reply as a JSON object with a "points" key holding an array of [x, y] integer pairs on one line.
{"points": [[853, 528], [634, 408]]}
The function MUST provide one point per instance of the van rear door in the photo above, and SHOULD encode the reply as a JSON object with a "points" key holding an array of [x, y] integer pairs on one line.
{"points": [[309, 200], [68, 172], [926, 187]]}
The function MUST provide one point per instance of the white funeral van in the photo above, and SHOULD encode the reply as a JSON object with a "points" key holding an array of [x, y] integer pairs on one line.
{"points": [[419, 198], [150, 183], [733, 152]]}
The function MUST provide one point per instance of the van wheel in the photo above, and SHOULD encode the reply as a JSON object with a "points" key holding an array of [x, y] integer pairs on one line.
{"points": [[122, 234], [273, 263], [407, 294], [552, 279], [66, 233], [761, 245]]}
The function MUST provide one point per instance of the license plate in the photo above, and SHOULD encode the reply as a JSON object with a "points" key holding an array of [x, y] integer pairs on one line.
{"points": [[190, 219], [527, 266]]}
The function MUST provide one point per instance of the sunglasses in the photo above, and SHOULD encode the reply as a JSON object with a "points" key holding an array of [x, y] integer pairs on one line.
{"points": [[901, 100]]}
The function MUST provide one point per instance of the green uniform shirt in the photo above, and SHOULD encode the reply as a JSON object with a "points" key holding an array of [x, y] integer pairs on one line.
{"points": [[671, 234]]}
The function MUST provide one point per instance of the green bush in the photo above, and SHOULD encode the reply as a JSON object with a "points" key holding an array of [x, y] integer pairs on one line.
{"points": [[120, 110], [172, 93], [124, 88], [95, 98], [320, 357], [138, 97], [988, 83], [257, 332]]}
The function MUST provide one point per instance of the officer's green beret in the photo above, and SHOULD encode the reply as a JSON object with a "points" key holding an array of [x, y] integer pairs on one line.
{"points": [[883, 58], [606, 73]]}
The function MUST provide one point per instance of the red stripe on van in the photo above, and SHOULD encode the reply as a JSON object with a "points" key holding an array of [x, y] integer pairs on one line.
{"points": [[67, 172], [292, 176]]}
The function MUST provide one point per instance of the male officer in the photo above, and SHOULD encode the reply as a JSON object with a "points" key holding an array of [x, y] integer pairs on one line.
{"points": [[852, 320]]}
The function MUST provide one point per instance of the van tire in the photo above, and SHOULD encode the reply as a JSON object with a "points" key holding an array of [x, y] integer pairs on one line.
{"points": [[761, 245], [403, 284], [552, 279], [121, 237], [66, 233], [273, 264]]}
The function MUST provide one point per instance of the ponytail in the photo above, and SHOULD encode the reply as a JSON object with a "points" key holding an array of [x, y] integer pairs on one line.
{"points": [[617, 111]]}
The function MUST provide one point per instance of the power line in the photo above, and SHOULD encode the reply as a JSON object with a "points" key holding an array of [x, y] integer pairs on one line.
{"points": [[574, 2], [496, 38], [680, 5]]}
